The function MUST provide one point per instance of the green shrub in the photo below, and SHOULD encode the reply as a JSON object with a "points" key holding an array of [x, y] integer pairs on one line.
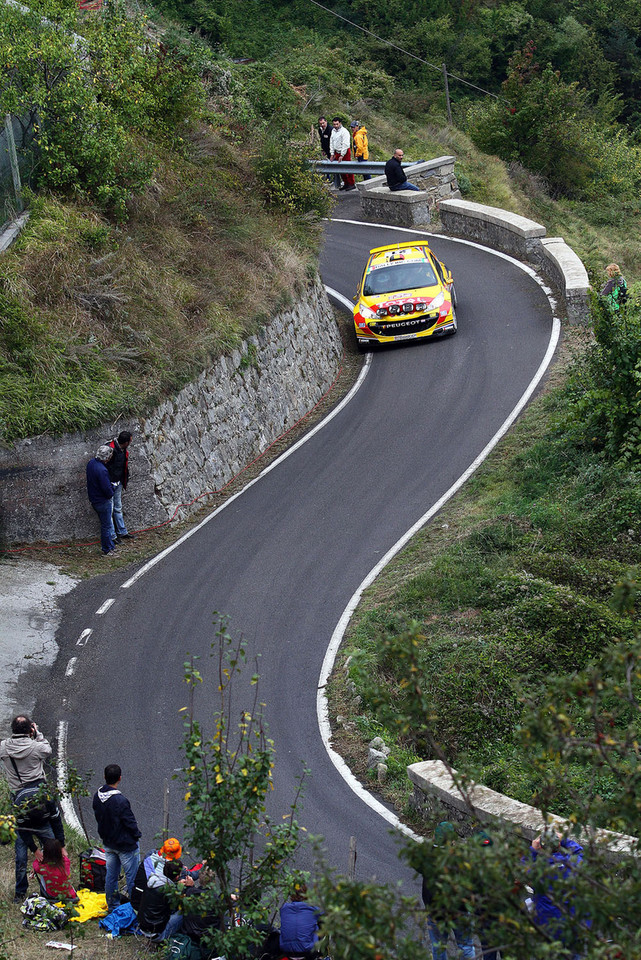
{"points": [[604, 392], [89, 99], [553, 129], [288, 183]]}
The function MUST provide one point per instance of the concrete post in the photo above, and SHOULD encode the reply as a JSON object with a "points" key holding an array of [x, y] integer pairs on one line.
{"points": [[13, 160]]}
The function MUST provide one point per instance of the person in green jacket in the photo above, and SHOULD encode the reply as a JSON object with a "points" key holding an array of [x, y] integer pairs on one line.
{"points": [[616, 289]]}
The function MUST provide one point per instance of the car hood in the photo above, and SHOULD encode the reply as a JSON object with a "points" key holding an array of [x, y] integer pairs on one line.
{"points": [[403, 296]]}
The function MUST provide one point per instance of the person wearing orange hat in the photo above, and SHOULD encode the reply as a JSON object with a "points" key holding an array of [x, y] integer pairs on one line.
{"points": [[171, 849], [154, 863]]}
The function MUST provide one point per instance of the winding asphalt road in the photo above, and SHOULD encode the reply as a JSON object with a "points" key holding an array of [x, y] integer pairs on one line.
{"points": [[284, 558]]}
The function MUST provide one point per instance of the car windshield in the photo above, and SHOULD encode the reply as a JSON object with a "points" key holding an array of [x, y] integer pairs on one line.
{"points": [[401, 276]]}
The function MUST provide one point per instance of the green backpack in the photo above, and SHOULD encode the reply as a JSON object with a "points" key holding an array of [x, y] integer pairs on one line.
{"points": [[181, 947]]}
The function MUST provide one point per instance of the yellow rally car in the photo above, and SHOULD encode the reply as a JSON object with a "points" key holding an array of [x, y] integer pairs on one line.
{"points": [[405, 293]]}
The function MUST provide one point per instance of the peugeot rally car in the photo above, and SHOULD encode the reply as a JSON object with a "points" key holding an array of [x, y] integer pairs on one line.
{"points": [[405, 293]]}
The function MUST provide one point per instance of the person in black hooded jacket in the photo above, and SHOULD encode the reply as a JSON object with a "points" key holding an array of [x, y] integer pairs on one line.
{"points": [[119, 833], [155, 916]]}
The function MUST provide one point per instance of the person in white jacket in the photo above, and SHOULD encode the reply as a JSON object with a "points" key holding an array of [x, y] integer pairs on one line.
{"points": [[340, 149]]}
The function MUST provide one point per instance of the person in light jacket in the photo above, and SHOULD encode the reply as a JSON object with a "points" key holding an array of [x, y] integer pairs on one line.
{"points": [[340, 149], [24, 754]]}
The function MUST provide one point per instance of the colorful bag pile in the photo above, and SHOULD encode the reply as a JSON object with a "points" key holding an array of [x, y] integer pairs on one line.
{"points": [[41, 914]]}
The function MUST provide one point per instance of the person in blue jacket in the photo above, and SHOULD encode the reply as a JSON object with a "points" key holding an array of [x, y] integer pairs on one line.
{"points": [[299, 925], [100, 493], [564, 855]]}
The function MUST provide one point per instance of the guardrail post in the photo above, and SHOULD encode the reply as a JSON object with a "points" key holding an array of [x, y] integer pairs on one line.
{"points": [[13, 160]]}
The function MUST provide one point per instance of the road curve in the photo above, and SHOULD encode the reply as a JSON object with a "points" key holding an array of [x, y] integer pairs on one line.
{"points": [[285, 557]]}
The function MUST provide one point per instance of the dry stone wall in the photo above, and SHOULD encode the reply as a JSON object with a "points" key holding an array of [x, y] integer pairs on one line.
{"points": [[191, 444]]}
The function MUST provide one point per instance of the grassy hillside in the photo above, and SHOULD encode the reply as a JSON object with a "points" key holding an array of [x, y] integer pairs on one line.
{"points": [[103, 319]]}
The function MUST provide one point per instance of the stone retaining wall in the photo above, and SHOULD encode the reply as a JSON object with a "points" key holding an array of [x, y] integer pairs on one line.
{"points": [[525, 240], [404, 208], [192, 443], [436, 796]]}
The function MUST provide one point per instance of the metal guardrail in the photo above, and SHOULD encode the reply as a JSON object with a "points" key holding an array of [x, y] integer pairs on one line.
{"points": [[375, 167]]}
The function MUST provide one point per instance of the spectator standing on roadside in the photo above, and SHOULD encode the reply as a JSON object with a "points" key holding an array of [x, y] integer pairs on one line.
{"points": [[616, 289], [361, 145], [396, 177], [118, 470], [340, 150], [119, 833], [325, 134], [24, 755], [101, 494], [551, 901]]}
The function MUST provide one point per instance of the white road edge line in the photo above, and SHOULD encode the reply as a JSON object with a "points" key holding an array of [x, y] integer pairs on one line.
{"points": [[71, 666], [322, 706], [319, 426], [71, 818], [104, 607], [84, 636]]}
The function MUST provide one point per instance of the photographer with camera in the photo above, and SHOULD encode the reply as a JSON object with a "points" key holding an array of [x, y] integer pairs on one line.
{"points": [[37, 814]]}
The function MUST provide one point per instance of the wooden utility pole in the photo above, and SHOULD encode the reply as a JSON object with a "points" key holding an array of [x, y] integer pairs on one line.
{"points": [[13, 160], [447, 95], [351, 863], [165, 812]]}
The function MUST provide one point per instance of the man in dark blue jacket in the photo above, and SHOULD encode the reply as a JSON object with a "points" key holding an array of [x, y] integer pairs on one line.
{"points": [[119, 833], [100, 493], [553, 889], [299, 925]]}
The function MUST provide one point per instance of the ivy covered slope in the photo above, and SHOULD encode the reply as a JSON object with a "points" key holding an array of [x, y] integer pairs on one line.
{"points": [[159, 237]]}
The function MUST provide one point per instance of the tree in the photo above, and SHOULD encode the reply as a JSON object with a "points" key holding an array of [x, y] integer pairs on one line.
{"points": [[553, 129], [228, 774], [82, 101]]}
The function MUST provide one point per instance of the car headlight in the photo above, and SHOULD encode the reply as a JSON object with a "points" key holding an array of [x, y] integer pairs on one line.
{"points": [[365, 311], [437, 302]]}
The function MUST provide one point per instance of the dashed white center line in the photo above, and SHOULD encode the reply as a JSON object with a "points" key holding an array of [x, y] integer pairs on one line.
{"points": [[84, 636], [71, 666], [104, 607]]}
